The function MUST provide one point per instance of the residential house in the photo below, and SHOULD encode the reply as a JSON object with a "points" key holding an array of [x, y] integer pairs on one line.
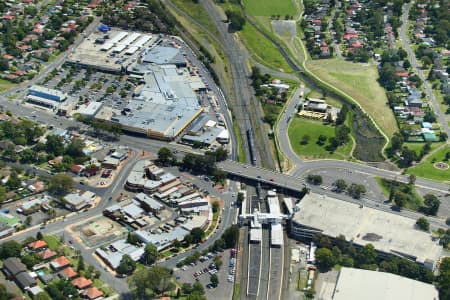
{"points": [[12, 266], [81, 283], [67, 273], [37, 245], [92, 293], [59, 263], [47, 254]]}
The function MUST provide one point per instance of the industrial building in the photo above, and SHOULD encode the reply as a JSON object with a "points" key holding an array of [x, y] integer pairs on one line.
{"points": [[164, 107], [356, 284], [390, 234], [111, 52]]}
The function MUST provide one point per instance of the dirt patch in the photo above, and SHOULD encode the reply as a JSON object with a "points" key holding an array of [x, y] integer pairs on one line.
{"points": [[98, 231], [441, 166], [284, 28]]}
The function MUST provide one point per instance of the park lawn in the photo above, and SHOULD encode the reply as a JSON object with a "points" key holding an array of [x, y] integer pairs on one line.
{"points": [[418, 146], [426, 168], [6, 85], [270, 7], [360, 82], [301, 126], [263, 50], [52, 242]]}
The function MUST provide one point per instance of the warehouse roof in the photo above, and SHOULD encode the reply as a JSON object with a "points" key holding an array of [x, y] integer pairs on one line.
{"points": [[355, 284], [387, 232], [164, 55]]}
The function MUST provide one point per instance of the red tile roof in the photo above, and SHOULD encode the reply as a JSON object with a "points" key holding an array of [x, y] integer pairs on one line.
{"points": [[61, 262], [81, 282], [69, 272], [47, 253], [92, 293], [37, 244]]}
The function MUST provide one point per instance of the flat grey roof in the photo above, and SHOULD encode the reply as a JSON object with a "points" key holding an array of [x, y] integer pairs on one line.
{"points": [[164, 55], [165, 105], [356, 284], [387, 232]]}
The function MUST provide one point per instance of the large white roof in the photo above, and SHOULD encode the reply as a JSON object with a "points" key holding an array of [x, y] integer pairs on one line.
{"points": [[356, 284], [387, 232]]}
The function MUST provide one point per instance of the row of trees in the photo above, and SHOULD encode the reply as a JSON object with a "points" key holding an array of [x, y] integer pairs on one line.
{"points": [[344, 254], [340, 185]]}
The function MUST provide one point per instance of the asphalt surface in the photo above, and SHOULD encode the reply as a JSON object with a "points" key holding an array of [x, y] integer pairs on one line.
{"points": [[441, 116], [297, 183]]}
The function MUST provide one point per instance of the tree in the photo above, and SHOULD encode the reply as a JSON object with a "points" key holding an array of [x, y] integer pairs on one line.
{"points": [[423, 224], [221, 154], [54, 145], [432, 204], [305, 139], [443, 280], [218, 262], [126, 266], [75, 148], [80, 266], [60, 184], [356, 190], [165, 156], [214, 280], [367, 255], [340, 185], [132, 239], [10, 249], [198, 288], [321, 140], [230, 236], [412, 179], [150, 254], [39, 235], [400, 199], [314, 179], [325, 259], [215, 206], [197, 235], [157, 279], [236, 19]]}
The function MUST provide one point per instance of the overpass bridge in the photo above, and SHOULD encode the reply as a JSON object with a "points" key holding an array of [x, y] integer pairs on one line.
{"points": [[296, 185]]}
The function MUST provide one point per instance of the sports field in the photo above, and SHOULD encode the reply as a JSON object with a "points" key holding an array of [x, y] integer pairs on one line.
{"points": [[301, 126], [270, 7], [360, 82], [427, 169]]}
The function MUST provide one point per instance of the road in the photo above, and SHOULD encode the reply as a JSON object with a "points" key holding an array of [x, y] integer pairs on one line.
{"points": [[442, 118], [297, 183], [282, 126]]}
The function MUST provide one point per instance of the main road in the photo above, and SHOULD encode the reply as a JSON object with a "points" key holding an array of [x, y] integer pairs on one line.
{"points": [[442, 117], [297, 184]]}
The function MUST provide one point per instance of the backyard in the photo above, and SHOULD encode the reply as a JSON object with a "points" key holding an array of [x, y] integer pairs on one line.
{"points": [[300, 127]]}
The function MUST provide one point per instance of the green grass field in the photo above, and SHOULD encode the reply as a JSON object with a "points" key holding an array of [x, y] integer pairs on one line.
{"points": [[426, 168], [262, 49], [6, 85], [360, 82], [198, 13], [301, 126], [418, 146], [269, 7]]}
